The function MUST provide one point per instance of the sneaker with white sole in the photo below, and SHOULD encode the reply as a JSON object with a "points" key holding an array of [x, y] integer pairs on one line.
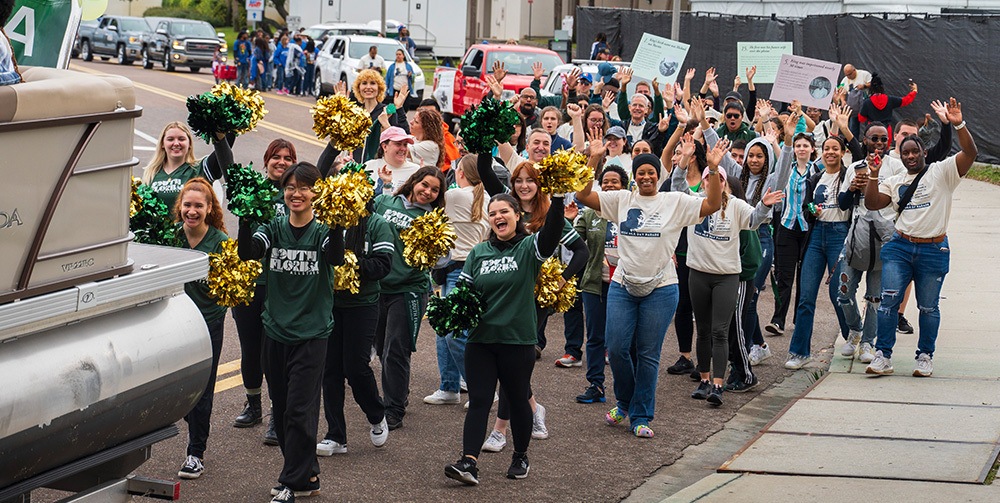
{"points": [[850, 348], [795, 362], [495, 442], [880, 365], [759, 354], [568, 360], [866, 353], [464, 388], [442, 397], [464, 471], [774, 329], [329, 447], [538, 429], [284, 495], [924, 366], [379, 433], [192, 468]]}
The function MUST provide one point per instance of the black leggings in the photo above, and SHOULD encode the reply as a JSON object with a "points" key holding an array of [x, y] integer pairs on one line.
{"points": [[789, 248], [251, 332], [200, 418], [485, 365], [714, 299], [684, 316]]}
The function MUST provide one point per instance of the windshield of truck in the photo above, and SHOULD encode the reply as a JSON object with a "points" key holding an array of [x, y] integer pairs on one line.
{"points": [[192, 30], [385, 49], [519, 63], [134, 25]]}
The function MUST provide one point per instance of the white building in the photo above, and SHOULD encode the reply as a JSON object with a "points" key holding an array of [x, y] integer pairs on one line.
{"points": [[802, 8]]}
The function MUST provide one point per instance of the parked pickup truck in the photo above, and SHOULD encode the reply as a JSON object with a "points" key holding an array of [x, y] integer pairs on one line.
{"points": [[182, 42], [457, 90], [120, 36]]}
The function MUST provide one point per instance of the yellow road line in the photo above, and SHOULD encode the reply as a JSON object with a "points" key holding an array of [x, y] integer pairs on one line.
{"points": [[228, 383], [228, 367]]}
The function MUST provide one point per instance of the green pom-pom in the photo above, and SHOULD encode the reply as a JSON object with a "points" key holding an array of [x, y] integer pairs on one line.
{"points": [[353, 167], [488, 124], [209, 114], [250, 194], [152, 223], [457, 313]]}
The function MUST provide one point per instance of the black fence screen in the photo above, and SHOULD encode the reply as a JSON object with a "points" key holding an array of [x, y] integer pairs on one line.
{"points": [[948, 55]]}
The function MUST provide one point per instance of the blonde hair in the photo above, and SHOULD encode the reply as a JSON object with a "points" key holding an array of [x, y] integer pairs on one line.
{"points": [[156, 165], [366, 75], [471, 173]]}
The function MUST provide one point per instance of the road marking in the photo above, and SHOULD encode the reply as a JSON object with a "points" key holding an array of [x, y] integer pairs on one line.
{"points": [[143, 148], [146, 137], [228, 367], [228, 383]]}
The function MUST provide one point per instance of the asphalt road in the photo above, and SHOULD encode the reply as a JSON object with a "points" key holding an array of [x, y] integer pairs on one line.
{"points": [[583, 460]]}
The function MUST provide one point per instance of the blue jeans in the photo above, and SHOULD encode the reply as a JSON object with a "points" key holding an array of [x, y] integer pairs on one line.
{"points": [[595, 308], [268, 71], [243, 75], [307, 84], [451, 350], [279, 77], [826, 241], [847, 296], [573, 329], [644, 321], [755, 336], [926, 264]]}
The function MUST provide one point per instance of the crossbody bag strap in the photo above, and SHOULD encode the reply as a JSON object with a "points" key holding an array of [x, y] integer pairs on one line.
{"points": [[905, 200]]}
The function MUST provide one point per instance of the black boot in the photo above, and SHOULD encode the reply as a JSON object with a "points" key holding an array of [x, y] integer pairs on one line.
{"points": [[271, 436], [251, 415]]}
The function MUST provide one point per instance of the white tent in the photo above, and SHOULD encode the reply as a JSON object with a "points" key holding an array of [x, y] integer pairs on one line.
{"points": [[802, 8]]}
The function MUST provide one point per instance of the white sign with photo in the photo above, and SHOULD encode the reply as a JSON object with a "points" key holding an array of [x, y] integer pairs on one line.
{"points": [[766, 56], [659, 58], [811, 81]]}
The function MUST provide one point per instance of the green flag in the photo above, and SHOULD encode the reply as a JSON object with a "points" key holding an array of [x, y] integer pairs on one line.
{"points": [[41, 32]]}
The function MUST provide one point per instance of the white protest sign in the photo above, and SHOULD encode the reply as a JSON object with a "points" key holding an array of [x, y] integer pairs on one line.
{"points": [[659, 58], [811, 81], [766, 56]]}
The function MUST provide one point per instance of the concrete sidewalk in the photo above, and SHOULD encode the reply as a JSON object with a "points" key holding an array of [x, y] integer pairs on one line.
{"points": [[895, 437]]}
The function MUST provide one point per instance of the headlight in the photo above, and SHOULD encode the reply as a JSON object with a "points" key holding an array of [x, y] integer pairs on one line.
{"points": [[178, 44], [133, 40], [224, 47]]}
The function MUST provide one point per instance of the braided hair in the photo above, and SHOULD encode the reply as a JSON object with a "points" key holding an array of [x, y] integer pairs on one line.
{"points": [[745, 176]]}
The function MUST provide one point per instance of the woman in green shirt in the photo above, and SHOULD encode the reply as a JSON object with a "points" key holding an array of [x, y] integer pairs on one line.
{"points": [[199, 215], [174, 163], [501, 348]]}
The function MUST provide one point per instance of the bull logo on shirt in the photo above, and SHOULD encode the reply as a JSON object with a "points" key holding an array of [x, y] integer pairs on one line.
{"points": [[713, 228]]}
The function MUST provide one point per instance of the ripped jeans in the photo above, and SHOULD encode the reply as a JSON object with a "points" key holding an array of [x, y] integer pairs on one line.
{"points": [[847, 297], [926, 264]]}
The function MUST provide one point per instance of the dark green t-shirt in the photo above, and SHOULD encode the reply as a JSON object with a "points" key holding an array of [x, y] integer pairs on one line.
{"points": [[569, 234], [402, 278], [198, 290], [167, 187], [507, 281], [299, 304], [379, 238]]}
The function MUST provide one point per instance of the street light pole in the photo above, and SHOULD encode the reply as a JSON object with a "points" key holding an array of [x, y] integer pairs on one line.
{"points": [[383, 19], [675, 20]]}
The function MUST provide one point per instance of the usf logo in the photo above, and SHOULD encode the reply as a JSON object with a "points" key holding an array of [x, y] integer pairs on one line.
{"points": [[8, 220]]}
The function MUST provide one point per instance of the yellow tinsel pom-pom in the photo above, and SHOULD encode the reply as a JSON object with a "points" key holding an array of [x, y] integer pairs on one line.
{"points": [[136, 203], [547, 291], [428, 238], [347, 276], [342, 120], [341, 200], [563, 172], [230, 279], [247, 98]]}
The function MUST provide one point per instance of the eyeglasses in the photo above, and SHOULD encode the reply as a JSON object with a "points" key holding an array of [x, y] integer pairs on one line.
{"points": [[301, 190], [732, 116], [879, 138]]}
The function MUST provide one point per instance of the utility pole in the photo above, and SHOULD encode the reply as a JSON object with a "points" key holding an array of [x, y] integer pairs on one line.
{"points": [[382, 29], [675, 20]]}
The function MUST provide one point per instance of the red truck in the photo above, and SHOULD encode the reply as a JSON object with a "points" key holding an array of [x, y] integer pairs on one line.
{"points": [[458, 89]]}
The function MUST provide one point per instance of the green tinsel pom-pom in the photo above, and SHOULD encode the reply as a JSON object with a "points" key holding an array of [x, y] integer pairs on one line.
{"points": [[151, 224], [210, 113], [250, 194], [488, 124], [456, 313]]}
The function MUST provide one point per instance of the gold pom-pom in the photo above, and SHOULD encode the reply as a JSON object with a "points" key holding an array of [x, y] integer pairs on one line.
{"points": [[230, 279], [247, 98], [343, 121], [347, 276], [547, 290], [563, 172], [341, 200], [136, 203], [428, 238]]}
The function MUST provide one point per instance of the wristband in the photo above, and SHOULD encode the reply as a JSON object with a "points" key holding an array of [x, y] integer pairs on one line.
{"points": [[960, 126], [710, 172]]}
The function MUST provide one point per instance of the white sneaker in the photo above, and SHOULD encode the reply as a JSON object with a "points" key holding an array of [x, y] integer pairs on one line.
{"points": [[538, 429], [850, 347], [461, 384], [442, 397], [880, 365], [866, 353], [192, 468], [379, 433], [924, 366], [796, 362], [759, 354], [495, 442], [496, 398], [329, 448]]}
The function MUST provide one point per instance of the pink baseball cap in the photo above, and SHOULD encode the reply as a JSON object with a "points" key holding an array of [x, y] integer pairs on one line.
{"points": [[722, 173], [395, 134]]}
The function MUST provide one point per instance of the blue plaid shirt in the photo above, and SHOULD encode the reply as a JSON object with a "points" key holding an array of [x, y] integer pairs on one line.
{"points": [[794, 195]]}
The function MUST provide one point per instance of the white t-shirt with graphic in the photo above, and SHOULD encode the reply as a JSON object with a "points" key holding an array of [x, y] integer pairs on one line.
{"points": [[887, 170], [927, 214], [399, 175], [648, 230], [714, 243], [825, 198]]}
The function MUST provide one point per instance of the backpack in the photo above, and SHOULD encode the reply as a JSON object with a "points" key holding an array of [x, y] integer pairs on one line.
{"points": [[863, 245]]}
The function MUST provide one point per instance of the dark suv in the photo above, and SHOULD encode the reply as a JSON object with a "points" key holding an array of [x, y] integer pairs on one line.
{"points": [[183, 42]]}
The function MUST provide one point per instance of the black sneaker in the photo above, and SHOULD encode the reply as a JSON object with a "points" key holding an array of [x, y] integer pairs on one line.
{"points": [[683, 366], [192, 468], [715, 396], [594, 393], [774, 328], [702, 392], [284, 495], [464, 471], [903, 326], [271, 435], [695, 375], [742, 386], [518, 466], [311, 490], [393, 422]]}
